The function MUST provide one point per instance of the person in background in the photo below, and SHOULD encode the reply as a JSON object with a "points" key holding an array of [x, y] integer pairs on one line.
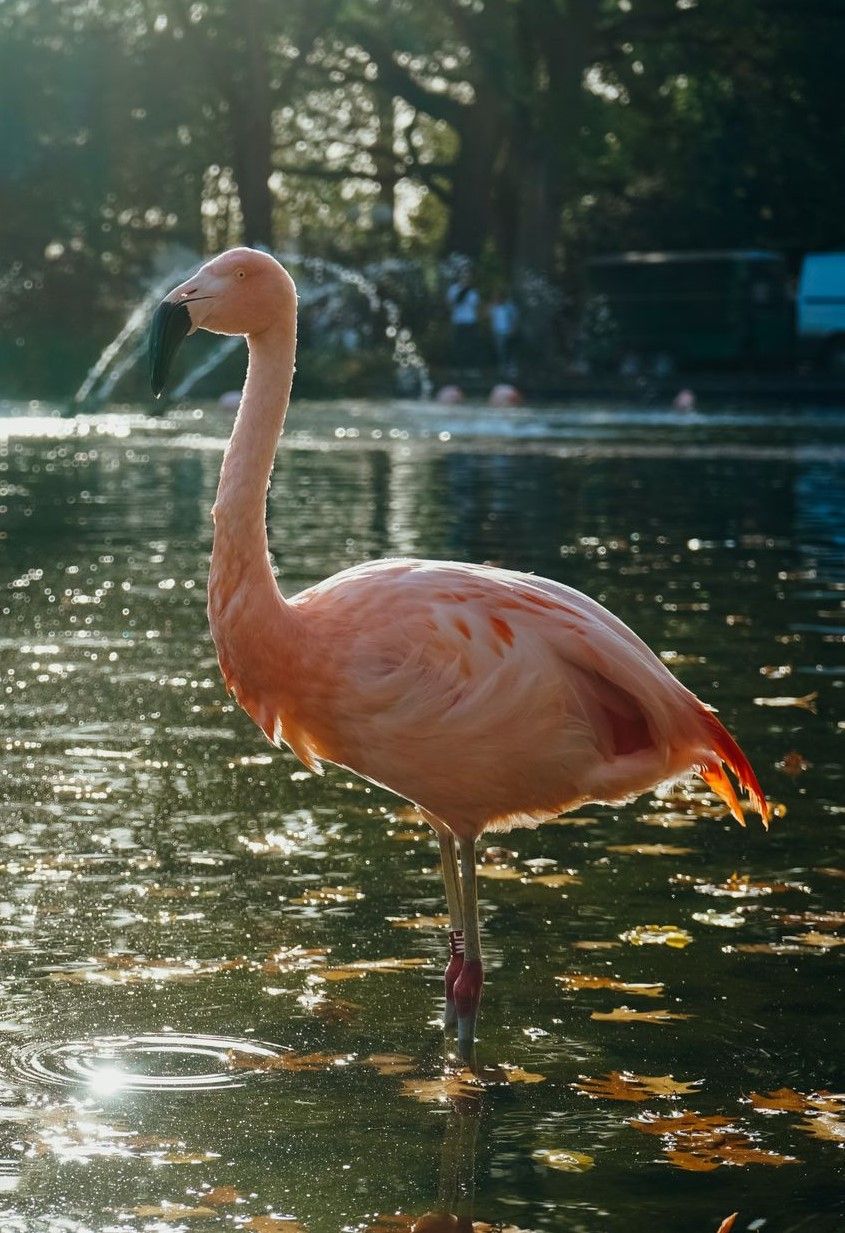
{"points": [[504, 320], [464, 303]]}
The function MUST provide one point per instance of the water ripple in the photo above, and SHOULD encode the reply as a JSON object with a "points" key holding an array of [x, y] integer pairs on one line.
{"points": [[172, 1062]]}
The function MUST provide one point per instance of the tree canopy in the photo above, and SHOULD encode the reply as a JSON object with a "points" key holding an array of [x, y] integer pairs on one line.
{"points": [[525, 134]]}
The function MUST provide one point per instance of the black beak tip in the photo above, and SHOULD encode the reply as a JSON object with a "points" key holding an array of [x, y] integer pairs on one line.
{"points": [[170, 325]]}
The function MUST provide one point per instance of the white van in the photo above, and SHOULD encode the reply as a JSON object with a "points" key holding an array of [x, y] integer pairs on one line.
{"points": [[821, 309]]}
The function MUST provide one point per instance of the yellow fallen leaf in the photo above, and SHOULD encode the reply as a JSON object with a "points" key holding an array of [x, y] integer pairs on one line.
{"points": [[649, 849], [596, 945], [320, 895], [555, 879], [501, 873], [575, 980], [450, 1086], [418, 922], [623, 1085], [738, 886], [657, 935], [564, 1161], [287, 1061], [622, 1014], [409, 836], [806, 702], [822, 941], [361, 967], [516, 1074], [669, 821]]}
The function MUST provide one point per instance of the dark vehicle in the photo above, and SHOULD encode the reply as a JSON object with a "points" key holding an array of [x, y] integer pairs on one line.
{"points": [[690, 309]]}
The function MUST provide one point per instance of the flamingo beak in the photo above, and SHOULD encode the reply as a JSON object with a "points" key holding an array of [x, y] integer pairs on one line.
{"points": [[171, 323]]}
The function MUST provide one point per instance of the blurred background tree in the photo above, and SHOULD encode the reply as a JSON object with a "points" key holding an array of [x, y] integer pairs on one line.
{"points": [[526, 134]]}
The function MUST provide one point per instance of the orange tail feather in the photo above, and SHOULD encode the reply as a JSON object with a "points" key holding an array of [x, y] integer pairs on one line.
{"points": [[726, 750]]}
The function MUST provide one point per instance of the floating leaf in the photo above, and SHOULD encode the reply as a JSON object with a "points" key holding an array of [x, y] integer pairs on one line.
{"points": [[763, 948], [807, 702], [728, 1223], [564, 1161], [738, 886], [222, 1196], [596, 945], [318, 896], [575, 980], [500, 873], [700, 1144], [623, 1085], [785, 1100], [821, 941], [450, 1086], [273, 1224], [721, 920], [361, 967], [293, 959], [418, 922], [793, 763], [649, 849], [390, 1063], [287, 1061], [569, 820], [566, 878], [831, 871], [172, 1211], [776, 672], [669, 821], [827, 920], [409, 836], [623, 1014], [657, 935], [824, 1126]]}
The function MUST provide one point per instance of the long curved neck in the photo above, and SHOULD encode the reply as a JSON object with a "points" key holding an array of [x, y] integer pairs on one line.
{"points": [[240, 510]]}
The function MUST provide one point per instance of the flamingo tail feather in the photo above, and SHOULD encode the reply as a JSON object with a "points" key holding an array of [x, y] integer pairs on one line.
{"points": [[728, 752]]}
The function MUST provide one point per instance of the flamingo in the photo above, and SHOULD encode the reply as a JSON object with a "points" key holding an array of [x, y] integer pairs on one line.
{"points": [[487, 698]]}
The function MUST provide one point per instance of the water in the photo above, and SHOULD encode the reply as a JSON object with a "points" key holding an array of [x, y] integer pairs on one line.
{"points": [[183, 1042]]}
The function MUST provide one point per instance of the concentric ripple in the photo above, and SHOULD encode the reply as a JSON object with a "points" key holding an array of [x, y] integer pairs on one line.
{"points": [[172, 1062]]}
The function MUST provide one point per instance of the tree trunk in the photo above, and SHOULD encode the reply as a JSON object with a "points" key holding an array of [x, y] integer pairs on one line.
{"points": [[251, 119], [473, 176]]}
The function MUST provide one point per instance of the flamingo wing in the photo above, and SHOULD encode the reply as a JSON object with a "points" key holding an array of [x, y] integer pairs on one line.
{"points": [[494, 698]]}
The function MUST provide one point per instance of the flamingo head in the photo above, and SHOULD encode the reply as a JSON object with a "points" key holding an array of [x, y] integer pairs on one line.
{"points": [[242, 291]]}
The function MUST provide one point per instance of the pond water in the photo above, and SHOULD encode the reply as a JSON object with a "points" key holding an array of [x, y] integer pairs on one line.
{"points": [[221, 978]]}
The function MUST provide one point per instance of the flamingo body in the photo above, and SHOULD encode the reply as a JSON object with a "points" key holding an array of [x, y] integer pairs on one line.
{"points": [[489, 698]]}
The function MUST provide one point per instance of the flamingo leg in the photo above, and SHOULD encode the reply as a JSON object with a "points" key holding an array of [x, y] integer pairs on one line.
{"points": [[451, 880], [467, 988]]}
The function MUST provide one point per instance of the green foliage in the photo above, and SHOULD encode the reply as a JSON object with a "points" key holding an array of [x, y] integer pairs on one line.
{"points": [[525, 133]]}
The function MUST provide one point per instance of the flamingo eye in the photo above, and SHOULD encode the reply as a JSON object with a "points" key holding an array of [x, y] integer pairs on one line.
{"points": [[240, 273]]}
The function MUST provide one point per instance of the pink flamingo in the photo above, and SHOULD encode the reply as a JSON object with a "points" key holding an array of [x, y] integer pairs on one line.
{"points": [[488, 698]]}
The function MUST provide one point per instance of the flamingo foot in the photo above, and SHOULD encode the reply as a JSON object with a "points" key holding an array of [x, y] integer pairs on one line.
{"points": [[467, 995], [453, 971]]}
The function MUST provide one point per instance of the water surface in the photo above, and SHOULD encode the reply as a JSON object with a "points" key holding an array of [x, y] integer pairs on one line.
{"points": [[183, 1042]]}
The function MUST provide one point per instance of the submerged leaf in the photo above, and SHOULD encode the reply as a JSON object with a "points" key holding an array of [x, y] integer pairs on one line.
{"points": [[390, 1063], [567, 878], [222, 1196], [596, 945], [649, 849], [657, 935], [822, 941], [623, 1014], [564, 1161], [574, 980], [793, 763], [450, 1086], [623, 1085], [287, 1061], [273, 1224]]}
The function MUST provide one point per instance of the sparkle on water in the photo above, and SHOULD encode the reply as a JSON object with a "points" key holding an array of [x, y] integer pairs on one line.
{"points": [[221, 974]]}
